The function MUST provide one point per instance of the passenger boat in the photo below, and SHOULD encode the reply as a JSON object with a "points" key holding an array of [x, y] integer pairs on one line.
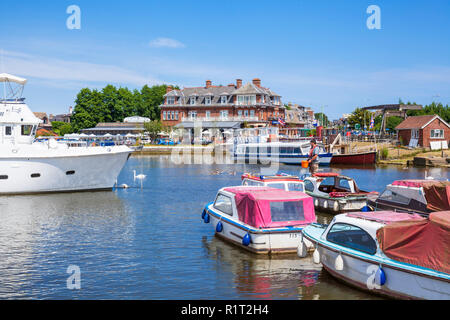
{"points": [[335, 193], [359, 158], [419, 196], [262, 220], [29, 166], [394, 254], [287, 153], [281, 181]]}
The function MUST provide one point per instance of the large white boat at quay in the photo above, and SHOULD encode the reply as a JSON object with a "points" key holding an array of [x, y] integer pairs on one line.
{"points": [[29, 166]]}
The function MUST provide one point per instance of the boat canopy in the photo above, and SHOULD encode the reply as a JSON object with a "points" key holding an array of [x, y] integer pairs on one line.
{"points": [[437, 193], [265, 207], [423, 242], [5, 77]]}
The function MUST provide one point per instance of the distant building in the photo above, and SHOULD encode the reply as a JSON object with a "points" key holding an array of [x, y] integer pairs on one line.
{"points": [[65, 117], [424, 131], [115, 128], [136, 119], [45, 120], [299, 116], [222, 106]]}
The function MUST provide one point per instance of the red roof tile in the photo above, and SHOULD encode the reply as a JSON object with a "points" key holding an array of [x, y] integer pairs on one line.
{"points": [[415, 122]]}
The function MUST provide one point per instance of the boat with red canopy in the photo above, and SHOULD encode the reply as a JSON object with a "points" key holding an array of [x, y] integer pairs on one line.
{"points": [[260, 219], [396, 254]]}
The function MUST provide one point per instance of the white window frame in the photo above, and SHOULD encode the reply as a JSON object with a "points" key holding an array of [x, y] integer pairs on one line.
{"points": [[164, 115], [176, 115], [193, 115], [434, 135], [192, 101], [245, 100], [207, 114], [224, 114], [223, 99], [170, 100], [414, 133], [252, 113], [208, 100]]}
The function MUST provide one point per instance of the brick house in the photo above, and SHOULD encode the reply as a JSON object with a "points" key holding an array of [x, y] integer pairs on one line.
{"points": [[222, 106], [423, 131]]}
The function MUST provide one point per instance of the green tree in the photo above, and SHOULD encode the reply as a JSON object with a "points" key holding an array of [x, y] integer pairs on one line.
{"points": [[153, 128], [392, 122], [318, 116], [361, 117], [61, 128]]}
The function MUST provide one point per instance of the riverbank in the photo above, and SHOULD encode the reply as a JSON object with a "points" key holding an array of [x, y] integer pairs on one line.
{"points": [[418, 158]]}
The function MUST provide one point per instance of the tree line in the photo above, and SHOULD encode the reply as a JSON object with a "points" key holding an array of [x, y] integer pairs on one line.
{"points": [[112, 104]]}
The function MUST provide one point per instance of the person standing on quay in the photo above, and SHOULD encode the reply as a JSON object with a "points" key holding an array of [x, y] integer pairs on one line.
{"points": [[313, 159]]}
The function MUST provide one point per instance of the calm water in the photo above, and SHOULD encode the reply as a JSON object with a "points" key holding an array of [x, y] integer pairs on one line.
{"points": [[152, 243]]}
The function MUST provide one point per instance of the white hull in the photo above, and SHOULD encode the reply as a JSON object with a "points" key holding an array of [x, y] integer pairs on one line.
{"points": [[324, 160], [278, 240], [400, 283], [75, 169]]}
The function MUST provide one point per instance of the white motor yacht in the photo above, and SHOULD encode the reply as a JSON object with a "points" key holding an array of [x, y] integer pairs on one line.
{"points": [[30, 166]]}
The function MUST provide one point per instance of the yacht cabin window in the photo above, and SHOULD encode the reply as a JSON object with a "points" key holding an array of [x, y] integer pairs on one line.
{"points": [[223, 203], [27, 130], [8, 131]]}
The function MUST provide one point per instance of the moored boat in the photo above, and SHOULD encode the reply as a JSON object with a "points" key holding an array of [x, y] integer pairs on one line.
{"points": [[29, 166], [394, 254], [281, 181], [262, 220], [358, 158], [415, 196], [335, 193], [282, 152]]}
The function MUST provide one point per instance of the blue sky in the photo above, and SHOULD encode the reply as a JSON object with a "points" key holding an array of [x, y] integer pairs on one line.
{"points": [[314, 53]]}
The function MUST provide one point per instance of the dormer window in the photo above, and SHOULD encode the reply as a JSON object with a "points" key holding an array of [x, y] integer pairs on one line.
{"points": [[223, 99], [170, 100], [208, 100], [192, 100]]}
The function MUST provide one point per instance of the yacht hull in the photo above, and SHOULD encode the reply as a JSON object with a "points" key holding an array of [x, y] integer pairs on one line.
{"points": [[65, 173]]}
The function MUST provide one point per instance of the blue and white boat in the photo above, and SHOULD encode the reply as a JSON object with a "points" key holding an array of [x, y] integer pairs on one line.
{"points": [[394, 254], [282, 152]]}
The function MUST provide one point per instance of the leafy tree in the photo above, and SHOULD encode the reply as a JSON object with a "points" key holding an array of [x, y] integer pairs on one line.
{"points": [[361, 117], [153, 128], [392, 122], [318, 116], [433, 108], [61, 128]]}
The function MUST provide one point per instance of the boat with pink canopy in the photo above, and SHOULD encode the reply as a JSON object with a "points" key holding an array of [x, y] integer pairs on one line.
{"points": [[260, 219]]}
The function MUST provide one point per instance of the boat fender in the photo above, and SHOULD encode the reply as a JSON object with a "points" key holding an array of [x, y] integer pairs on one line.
{"points": [[203, 214], [325, 204], [206, 219], [316, 203], [302, 250], [380, 277], [316, 256], [339, 263], [365, 209], [246, 240], [336, 206], [219, 227]]}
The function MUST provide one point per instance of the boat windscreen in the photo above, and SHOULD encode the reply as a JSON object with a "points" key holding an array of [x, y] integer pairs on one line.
{"points": [[276, 185], [287, 211]]}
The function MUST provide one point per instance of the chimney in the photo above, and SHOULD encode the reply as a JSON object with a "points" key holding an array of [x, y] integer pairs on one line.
{"points": [[70, 110], [231, 85], [168, 89], [238, 83], [208, 83], [257, 82]]}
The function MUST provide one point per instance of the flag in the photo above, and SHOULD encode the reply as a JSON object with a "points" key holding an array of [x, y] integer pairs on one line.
{"points": [[315, 123], [281, 121], [372, 122]]}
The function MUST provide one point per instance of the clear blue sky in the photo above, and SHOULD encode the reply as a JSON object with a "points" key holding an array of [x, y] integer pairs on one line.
{"points": [[315, 53]]}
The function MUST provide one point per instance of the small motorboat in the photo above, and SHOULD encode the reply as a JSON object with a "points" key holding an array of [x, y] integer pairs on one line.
{"points": [[389, 253], [414, 196], [280, 181], [261, 219], [335, 193]]}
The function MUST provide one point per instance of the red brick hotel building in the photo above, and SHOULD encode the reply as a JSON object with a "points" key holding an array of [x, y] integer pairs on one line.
{"points": [[225, 106]]}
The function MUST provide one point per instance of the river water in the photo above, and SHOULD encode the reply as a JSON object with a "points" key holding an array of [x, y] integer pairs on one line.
{"points": [[150, 242]]}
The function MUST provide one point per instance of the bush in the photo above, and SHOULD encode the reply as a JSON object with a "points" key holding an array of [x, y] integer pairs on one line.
{"points": [[384, 152]]}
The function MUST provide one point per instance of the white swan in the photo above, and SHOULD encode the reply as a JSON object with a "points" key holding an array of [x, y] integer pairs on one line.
{"points": [[140, 177]]}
